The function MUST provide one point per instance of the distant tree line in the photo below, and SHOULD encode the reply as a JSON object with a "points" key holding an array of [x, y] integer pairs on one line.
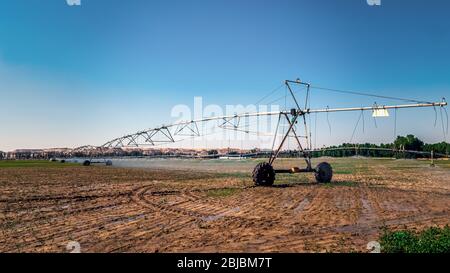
{"points": [[403, 147]]}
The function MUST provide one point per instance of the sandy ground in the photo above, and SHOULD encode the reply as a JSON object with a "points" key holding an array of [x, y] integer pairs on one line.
{"points": [[177, 206]]}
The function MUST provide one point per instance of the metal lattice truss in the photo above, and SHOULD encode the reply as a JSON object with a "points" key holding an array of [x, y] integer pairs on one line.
{"points": [[230, 123], [150, 137], [87, 150], [167, 134], [175, 132], [170, 133]]}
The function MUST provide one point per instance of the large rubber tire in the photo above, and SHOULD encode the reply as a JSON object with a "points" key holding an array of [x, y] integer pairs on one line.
{"points": [[264, 175], [86, 163], [324, 173], [109, 163]]}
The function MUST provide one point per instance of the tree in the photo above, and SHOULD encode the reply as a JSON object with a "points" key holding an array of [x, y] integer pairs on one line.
{"points": [[213, 152], [442, 147], [410, 142]]}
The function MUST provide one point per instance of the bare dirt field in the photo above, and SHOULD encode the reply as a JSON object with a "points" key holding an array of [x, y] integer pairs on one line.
{"points": [[212, 206]]}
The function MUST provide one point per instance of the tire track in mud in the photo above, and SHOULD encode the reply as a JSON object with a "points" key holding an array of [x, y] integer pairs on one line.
{"points": [[194, 204], [156, 226], [42, 208], [184, 217], [62, 197], [144, 196], [299, 212], [199, 210], [62, 231], [373, 226], [55, 212], [306, 202], [51, 216], [320, 239], [96, 222], [316, 236]]}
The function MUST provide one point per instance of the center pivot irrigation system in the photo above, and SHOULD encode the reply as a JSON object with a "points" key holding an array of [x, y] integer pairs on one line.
{"points": [[264, 173]]}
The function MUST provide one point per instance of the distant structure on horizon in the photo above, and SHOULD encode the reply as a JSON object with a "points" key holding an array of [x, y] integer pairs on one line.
{"points": [[35, 153], [98, 152]]}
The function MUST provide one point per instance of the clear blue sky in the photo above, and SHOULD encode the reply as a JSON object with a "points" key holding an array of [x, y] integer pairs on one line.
{"points": [[74, 75]]}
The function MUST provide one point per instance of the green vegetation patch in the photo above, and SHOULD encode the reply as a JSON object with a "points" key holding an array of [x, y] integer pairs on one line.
{"points": [[222, 192], [344, 171], [284, 178], [340, 184], [431, 240], [33, 164], [234, 175], [442, 163]]}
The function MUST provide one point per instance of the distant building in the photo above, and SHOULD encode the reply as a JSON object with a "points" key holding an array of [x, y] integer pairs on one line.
{"points": [[26, 154], [92, 151], [56, 153]]}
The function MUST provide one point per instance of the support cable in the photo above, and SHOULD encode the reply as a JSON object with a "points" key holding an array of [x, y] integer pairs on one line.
{"points": [[315, 131], [435, 116], [444, 131], [395, 123], [363, 122], [269, 94], [328, 120], [356, 127], [275, 137], [367, 94]]}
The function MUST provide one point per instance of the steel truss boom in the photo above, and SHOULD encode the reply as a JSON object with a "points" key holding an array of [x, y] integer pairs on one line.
{"points": [[264, 173], [166, 133], [191, 127], [376, 107]]}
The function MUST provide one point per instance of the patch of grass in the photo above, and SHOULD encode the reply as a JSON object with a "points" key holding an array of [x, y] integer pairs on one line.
{"points": [[350, 167], [222, 192], [234, 175], [442, 163], [343, 171], [345, 184], [283, 178], [431, 240], [32, 164], [340, 184], [400, 168]]}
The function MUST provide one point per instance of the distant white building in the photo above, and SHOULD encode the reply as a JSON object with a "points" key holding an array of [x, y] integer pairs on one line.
{"points": [[26, 154]]}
